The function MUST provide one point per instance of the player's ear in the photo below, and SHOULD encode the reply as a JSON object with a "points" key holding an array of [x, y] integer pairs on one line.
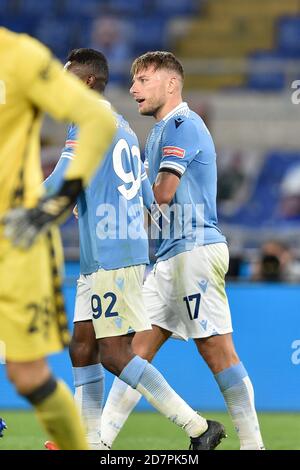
{"points": [[172, 84], [91, 80]]}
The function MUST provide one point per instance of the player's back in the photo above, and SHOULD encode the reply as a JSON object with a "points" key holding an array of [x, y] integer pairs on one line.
{"points": [[111, 220], [20, 174]]}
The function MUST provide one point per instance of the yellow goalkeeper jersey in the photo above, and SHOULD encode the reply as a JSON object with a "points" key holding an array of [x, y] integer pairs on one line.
{"points": [[31, 81]]}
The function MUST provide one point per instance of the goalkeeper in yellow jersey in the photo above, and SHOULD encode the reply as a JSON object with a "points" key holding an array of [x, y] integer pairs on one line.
{"points": [[32, 318]]}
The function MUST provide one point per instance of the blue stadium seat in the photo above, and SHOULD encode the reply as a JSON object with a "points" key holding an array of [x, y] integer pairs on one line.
{"points": [[261, 209], [136, 7], [289, 36], [149, 33], [268, 71], [35, 8], [88, 8], [57, 34], [18, 24], [178, 7], [267, 54], [4, 6], [266, 82]]}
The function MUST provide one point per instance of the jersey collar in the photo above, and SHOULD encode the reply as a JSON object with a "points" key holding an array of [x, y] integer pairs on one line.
{"points": [[181, 107]]}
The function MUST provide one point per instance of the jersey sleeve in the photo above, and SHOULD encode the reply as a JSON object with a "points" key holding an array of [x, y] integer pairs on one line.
{"points": [[180, 145], [71, 143], [49, 88], [146, 165], [55, 179], [147, 193]]}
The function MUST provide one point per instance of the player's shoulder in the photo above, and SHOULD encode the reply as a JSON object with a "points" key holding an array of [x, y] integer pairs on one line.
{"points": [[24, 47], [8, 38], [33, 48], [182, 121], [124, 129], [32, 57], [182, 126]]}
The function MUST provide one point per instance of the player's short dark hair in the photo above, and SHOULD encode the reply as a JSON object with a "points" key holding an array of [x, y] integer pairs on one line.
{"points": [[95, 60], [159, 60]]}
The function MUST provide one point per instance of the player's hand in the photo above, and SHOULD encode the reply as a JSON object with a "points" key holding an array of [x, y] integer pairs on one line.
{"points": [[2, 426], [157, 215], [22, 225]]}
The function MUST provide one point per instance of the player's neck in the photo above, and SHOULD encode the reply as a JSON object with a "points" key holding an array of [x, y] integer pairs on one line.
{"points": [[167, 108]]}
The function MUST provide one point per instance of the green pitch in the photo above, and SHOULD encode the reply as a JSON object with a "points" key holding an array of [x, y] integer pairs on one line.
{"points": [[152, 431]]}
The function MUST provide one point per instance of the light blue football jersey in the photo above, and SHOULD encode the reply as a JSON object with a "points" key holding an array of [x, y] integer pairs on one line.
{"points": [[181, 143], [110, 209]]}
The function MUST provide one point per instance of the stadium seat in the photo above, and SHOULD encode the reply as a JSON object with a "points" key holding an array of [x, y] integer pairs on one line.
{"points": [[18, 24], [289, 36], [58, 35], [136, 7], [267, 71], [150, 33], [261, 209], [79, 8], [34, 8], [178, 8], [3, 7]]}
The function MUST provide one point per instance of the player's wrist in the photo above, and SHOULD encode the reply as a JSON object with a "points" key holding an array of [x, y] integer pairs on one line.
{"points": [[55, 206], [71, 188], [157, 215]]}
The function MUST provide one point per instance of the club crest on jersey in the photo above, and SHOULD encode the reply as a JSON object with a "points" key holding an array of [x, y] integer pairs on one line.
{"points": [[173, 152], [178, 122]]}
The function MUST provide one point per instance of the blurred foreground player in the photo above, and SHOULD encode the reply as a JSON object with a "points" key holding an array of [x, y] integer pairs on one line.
{"points": [[32, 317]]}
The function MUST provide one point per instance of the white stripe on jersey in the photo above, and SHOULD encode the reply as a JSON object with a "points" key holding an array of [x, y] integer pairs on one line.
{"points": [[67, 155], [181, 109]]}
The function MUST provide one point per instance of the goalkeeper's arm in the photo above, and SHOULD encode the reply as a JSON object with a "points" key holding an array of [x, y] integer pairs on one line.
{"points": [[23, 225], [52, 89], [64, 97]]}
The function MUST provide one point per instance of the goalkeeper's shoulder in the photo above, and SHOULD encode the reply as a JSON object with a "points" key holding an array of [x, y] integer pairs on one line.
{"points": [[34, 61]]}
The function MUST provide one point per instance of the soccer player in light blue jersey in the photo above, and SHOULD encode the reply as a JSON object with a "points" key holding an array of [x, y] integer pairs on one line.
{"points": [[185, 293], [109, 307]]}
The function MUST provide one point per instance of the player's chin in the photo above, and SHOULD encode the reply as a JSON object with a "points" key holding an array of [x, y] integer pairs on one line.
{"points": [[146, 112]]}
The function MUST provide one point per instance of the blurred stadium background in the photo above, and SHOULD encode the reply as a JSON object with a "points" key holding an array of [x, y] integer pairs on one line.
{"points": [[242, 62]]}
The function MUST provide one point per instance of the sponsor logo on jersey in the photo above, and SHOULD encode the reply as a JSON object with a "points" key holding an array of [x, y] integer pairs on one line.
{"points": [[173, 151]]}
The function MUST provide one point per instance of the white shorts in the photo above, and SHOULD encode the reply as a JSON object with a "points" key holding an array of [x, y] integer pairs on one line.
{"points": [[113, 300], [186, 293]]}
